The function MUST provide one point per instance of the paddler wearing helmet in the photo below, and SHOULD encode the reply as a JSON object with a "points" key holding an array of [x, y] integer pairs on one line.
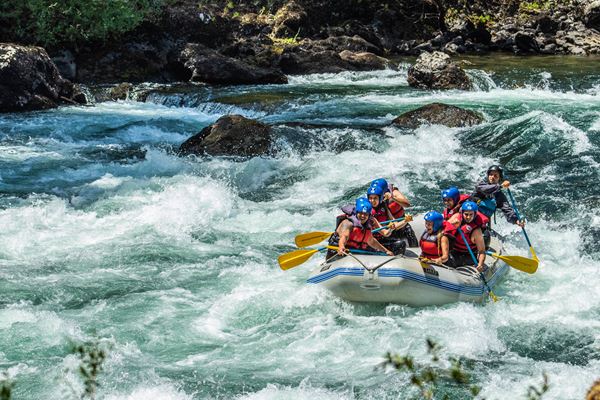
{"points": [[389, 203], [435, 240], [489, 196], [452, 200], [472, 223], [381, 213], [354, 230]]}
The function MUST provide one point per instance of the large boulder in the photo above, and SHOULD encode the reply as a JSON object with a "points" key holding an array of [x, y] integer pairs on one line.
{"points": [[591, 14], [30, 81], [436, 71], [334, 54], [230, 135], [438, 114], [364, 60], [206, 65]]}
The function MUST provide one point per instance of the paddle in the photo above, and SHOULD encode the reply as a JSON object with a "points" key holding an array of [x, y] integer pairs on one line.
{"points": [[512, 200], [492, 295], [297, 257], [311, 238], [517, 262]]}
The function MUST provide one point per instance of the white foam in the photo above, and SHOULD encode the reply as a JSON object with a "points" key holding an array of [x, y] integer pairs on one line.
{"points": [[164, 391]]}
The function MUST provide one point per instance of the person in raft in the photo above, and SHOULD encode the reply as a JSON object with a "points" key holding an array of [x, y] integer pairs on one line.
{"points": [[471, 223], [382, 213], [489, 196], [395, 202], [452, 200], [435, 241], [354, 230]]}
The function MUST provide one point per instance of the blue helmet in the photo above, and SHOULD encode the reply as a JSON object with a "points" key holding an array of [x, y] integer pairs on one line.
{"points": [[436, 218], [363, 206], [451, 193], [375, 189], [382, 183], [469, 206]]}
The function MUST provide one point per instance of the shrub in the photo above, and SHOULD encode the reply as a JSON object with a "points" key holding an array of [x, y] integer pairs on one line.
{"points": [[53, 22]]}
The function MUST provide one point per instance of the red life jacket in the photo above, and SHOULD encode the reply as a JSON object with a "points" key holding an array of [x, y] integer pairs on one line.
{"points": [[449, 212], [431, 245], [480, 221], [380, 213], [359, 235], [396, 209]]}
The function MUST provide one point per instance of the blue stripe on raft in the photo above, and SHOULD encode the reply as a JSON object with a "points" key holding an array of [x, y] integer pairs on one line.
{"points": [[401, 273]]}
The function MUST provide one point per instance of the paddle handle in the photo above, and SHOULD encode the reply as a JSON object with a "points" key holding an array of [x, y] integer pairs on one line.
{"points": [[357, 251], [475, 261], [512, 200], [386, 223]]}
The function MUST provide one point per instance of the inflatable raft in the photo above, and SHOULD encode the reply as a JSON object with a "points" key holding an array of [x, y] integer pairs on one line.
{"points": [[406, 280]]}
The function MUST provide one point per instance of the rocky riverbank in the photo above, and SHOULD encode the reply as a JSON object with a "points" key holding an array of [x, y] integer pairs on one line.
{"points": [[256, 43]]}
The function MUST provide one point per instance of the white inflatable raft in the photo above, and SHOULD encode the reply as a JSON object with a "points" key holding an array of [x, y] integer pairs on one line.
{"points": [[404, 280]]}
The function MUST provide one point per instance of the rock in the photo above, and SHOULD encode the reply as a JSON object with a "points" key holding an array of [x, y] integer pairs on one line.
{"points": [[546, 24], [436, 71], [364, 61], [290, 20], [30, 81], [301, 61], [591, 14], [526, 42], [440, 114], [230, 135], [340, 43], [121, 91], [206, 65]]}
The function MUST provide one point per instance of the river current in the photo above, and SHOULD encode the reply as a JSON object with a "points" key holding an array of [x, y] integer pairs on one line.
{"points": [[107, 235]]}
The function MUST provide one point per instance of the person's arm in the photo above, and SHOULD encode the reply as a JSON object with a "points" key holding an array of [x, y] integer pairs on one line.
{"points": [[374, 243], [344, 233], [445, 245], [503, 204], [454, 220], [399, 198], [385, 232], [477, 238], [486, 189]]}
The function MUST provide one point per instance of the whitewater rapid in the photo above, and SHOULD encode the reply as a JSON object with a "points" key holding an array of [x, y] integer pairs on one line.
{"points": [[107, 234]]}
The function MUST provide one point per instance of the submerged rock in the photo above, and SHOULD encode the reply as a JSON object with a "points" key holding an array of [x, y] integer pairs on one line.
{"points": [[29, 80], [230, 135], [209, 66], [439, 114]]}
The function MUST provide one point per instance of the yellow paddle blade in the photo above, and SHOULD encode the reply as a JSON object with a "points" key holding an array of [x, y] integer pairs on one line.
{"points": [[521, 263], [294, 258], [310, 238]]}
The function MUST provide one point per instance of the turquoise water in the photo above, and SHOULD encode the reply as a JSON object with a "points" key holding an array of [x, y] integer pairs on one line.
{"points": [[172, 261]]}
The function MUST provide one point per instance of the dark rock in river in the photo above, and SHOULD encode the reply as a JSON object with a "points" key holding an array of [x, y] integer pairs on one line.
{"points": [[436, 71], [206, 65], [438, 114], [30, 81], [230, 135]]}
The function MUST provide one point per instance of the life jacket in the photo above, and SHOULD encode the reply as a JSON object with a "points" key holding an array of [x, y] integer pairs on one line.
{"points": [[380, 213], [480, 221], [431, 244], [359, 235], [487, 206], [450, 212], [396, 209]]}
